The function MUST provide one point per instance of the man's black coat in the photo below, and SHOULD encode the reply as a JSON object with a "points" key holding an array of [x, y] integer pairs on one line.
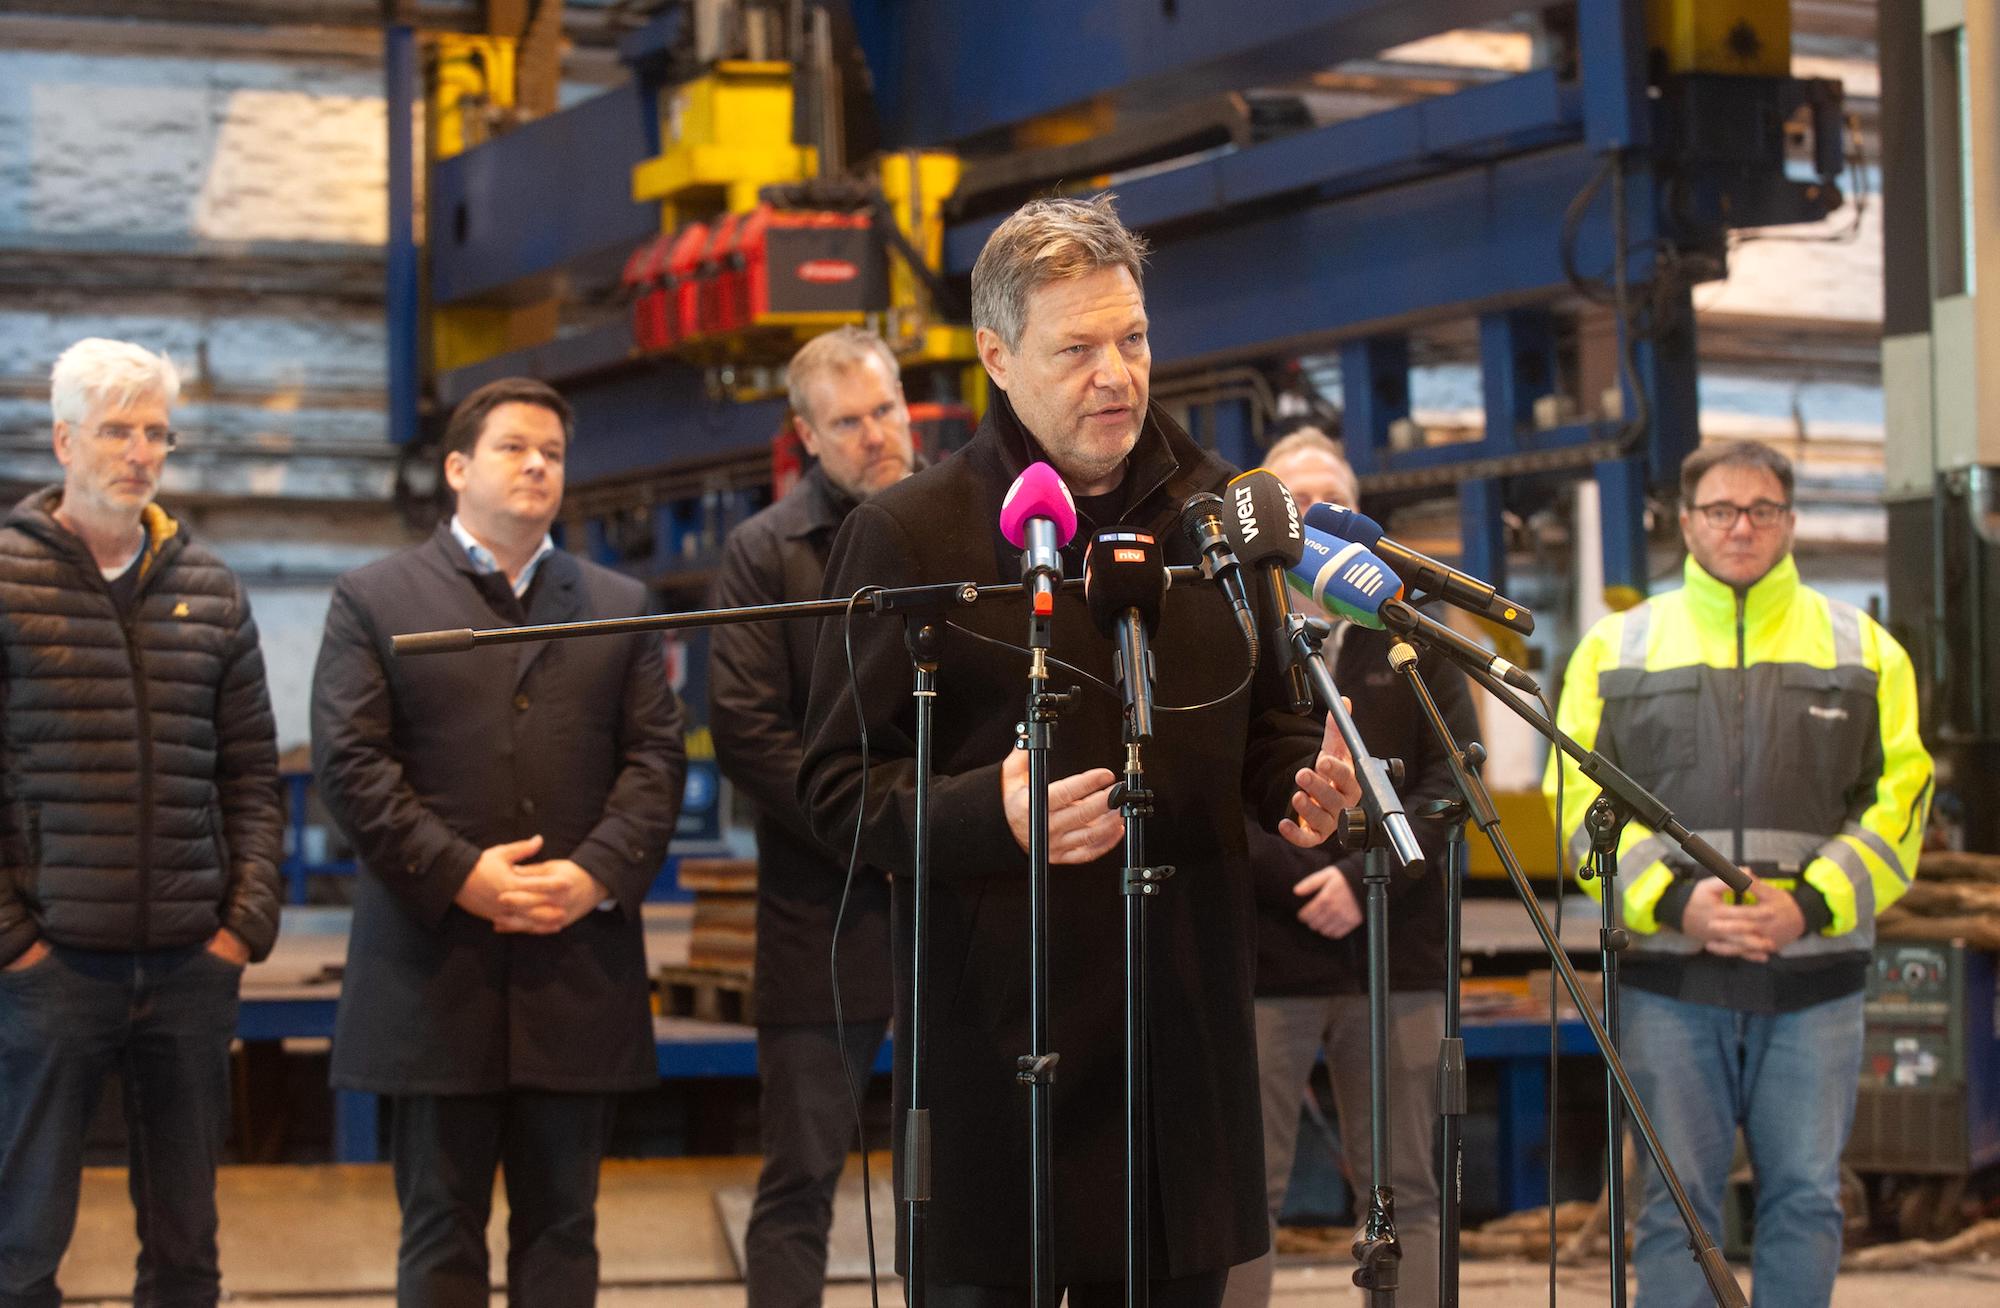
{"points": [[1206, 769], [1294, 959], [426, 760], [759, 673]]}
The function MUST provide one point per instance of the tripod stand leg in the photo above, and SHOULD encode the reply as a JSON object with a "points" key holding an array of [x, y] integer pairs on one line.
{"points": [[1377, 1250], [1451, 1075]]}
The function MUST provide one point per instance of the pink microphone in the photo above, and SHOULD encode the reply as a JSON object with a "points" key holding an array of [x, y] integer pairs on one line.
{"points": [[1038, 517]]}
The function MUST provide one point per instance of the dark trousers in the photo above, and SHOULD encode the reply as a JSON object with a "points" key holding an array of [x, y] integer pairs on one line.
{"points": [[1201, 1290], [807, 1117], [548, 1146], [163, 1020]]}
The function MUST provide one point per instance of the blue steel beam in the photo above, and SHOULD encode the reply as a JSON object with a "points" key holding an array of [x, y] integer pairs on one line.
{"points": [[551, 197], [1374, 395], [658, 414], [1396, 146], [1291, 280], [948, 71], [404, 291]]}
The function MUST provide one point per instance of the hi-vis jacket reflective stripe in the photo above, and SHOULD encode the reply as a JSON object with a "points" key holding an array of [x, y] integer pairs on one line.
{"points": [[1780, 724]]}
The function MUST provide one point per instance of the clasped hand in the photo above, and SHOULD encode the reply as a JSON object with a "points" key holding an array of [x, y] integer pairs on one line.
{"points": [[1753, 931], [518, 896]]}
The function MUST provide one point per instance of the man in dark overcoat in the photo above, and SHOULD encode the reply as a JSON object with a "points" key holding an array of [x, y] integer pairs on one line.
{"points": [[1063, 334], [510, 807], [814, 1049]]}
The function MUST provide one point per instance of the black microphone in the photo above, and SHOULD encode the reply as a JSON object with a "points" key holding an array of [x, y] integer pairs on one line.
{"points": [[1124, 580], [1262, 524], [1201, 519], [1458, 589]]}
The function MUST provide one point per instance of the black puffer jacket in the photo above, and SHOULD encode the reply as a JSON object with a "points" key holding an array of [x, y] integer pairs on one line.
{"points": [[138, 760]]}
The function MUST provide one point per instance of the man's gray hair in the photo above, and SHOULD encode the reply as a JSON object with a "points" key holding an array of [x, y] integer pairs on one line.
{"points": [[830, 353], [1046, 241], [96, 373]]}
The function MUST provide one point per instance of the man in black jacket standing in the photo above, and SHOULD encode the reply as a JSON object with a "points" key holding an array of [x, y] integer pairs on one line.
{"points": [[510, 805], [1312, 942], [1062, 332], [847, 407], [139, 835]]}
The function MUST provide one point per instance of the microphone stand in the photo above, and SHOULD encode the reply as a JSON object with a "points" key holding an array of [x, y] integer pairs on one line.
{"points": [[1721, 1281], [1386, 831], [921, 607], [1451, 1049], [1037, 1068], [923, 635], [1141, 884], [1605, 821]]}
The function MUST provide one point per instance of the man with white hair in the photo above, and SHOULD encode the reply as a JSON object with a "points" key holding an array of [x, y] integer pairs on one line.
{"points": [[139, 835]]}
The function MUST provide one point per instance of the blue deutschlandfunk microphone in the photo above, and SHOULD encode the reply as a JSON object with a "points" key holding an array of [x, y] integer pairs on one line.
{"points": [[1348, 579], [1441, 580]]}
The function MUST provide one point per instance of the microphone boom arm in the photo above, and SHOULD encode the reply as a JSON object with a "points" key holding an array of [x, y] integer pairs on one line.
{"points": [[1378, 797]]}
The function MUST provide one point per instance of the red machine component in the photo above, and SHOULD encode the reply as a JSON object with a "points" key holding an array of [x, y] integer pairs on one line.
{"points": [[721, 269], [811, 261], [684, 282], [940, 429], [645, 279], [788, 459]]}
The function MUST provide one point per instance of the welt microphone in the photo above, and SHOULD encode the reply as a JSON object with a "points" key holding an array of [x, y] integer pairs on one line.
{"points": [[1348, 579], [1262, 524], [1458, 589], [1038, 517], [1124, 581]]}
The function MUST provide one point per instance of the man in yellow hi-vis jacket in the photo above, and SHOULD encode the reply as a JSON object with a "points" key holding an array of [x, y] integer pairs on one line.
{"points": [[1781, 725]]}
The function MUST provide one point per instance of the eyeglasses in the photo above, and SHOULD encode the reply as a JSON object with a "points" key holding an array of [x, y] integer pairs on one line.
{"points": [[119, 435], [848, 426], [1722, 515]]}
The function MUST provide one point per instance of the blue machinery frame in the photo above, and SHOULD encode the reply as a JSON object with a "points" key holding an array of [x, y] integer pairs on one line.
{"points": [[1343, 237]]}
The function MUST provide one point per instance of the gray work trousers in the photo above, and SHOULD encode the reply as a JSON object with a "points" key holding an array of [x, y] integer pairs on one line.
{"points": [[1291, 1033]]}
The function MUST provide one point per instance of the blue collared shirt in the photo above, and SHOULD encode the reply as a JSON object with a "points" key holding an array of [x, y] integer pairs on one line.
{"points": [[484, 562]]}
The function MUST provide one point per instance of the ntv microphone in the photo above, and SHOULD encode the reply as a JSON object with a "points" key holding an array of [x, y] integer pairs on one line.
{"points": [[1262, 524], [1038, 517], [1201, 519], [1458, 589], [1347, 578], [1124, 580]]}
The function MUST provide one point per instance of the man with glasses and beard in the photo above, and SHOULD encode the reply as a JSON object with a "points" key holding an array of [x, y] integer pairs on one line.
{"points": [[1781, 724]]}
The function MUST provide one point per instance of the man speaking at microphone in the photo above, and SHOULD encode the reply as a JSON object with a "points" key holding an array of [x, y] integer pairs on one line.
{"points": [[1062, 331]]}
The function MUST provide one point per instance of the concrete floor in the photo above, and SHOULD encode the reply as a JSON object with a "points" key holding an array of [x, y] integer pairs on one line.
{"points": [[1483, 1285], [325, 1237]]}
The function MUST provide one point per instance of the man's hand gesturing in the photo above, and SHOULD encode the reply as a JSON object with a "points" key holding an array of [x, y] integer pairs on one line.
{"points": [[1082, 824]]}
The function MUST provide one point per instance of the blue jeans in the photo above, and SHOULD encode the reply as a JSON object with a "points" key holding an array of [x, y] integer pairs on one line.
{"points": [[1789, 1081], [163, 1020]]}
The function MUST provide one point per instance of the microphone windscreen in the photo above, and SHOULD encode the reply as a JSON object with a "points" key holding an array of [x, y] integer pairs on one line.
{"points": [[1344, 523], [1345, 578], [1037, 493], [1122, 570], [1261, 520]]}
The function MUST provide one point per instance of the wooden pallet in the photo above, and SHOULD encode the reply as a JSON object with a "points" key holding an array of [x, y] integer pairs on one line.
{"points": [[706, 996]]}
